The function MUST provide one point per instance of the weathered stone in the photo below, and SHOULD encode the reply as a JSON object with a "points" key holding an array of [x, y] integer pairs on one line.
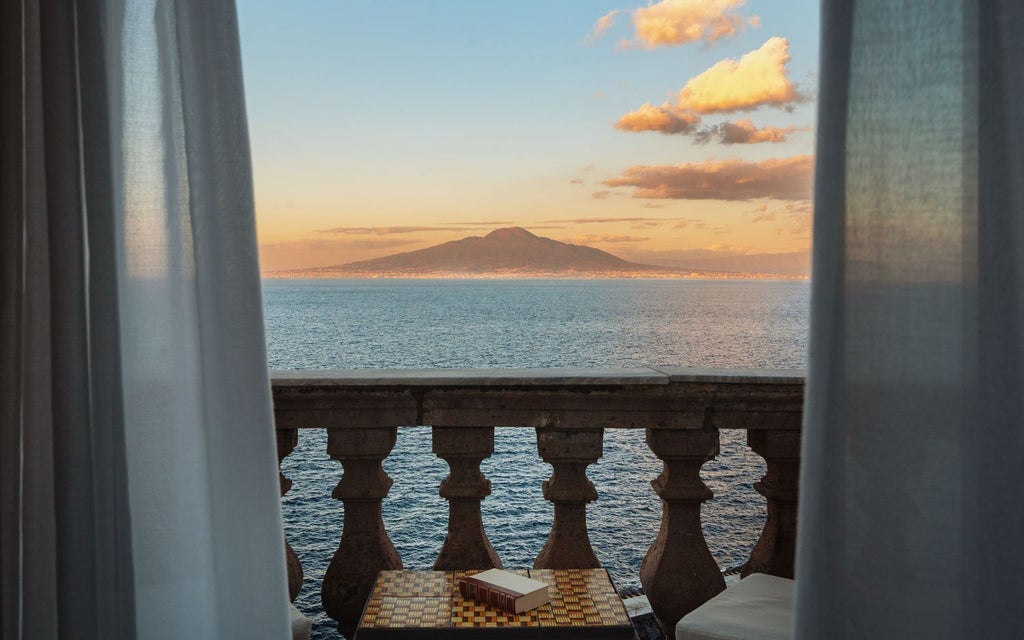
{"points": [[678, 573], [286, 441], [466, 546], [569, 453], [674, 404], [775, 551], [365, 548]]}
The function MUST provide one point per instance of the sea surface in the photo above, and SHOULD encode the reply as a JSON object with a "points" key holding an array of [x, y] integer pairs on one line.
{"points": [[341, 324]]}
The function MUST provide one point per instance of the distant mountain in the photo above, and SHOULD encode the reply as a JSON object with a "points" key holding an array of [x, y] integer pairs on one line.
{"points": [[504, 252]]}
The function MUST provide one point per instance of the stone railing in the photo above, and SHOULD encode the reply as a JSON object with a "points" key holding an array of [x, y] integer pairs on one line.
{"points": [[681, 409]]}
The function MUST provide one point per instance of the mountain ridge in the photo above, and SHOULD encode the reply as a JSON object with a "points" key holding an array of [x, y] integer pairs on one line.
{"points": [[508, 251], [512, 252]]}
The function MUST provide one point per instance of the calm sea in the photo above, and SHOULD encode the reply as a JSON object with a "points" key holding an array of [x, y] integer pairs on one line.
{"points": [[340, 324]]}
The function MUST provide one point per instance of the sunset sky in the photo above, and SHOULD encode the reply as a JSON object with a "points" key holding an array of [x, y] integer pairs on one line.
{"points": [[665, 133]]}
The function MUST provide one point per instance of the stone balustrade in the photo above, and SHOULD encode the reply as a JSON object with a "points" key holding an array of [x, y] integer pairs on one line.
{"points": [[682, 410]]}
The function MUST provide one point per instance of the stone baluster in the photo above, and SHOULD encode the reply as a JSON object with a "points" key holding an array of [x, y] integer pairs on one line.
{"points": [[286, 441], [466, 546], [678, 573], [569, 452], [365, 547], [775, 551]]}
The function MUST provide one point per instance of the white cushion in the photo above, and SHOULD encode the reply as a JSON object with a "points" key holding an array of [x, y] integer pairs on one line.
{"points": [[759, 607], [300, 624]]}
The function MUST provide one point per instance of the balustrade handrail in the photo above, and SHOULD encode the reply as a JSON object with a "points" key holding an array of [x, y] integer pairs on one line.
{"points": [[681, 409], [662, 397]]}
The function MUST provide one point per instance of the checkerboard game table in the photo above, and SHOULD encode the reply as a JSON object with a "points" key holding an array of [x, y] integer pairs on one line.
{"points": [[411, 605]]}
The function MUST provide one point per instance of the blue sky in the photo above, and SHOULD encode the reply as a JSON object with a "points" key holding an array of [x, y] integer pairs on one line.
{"points": [[391, 115]]}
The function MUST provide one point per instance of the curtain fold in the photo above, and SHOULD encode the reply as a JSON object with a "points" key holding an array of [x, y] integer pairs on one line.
{"points": [[911, 511], [139, 486]]}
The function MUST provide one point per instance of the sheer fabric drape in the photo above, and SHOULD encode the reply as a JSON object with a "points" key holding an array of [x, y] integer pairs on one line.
{"points": [[911, 511], [139, 486]]}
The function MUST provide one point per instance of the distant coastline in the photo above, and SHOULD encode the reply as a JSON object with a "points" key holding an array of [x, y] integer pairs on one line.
{"points": [[668, 274], [513, 253]]}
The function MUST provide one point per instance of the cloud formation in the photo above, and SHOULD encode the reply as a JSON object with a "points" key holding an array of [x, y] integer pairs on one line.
{"points": [[733, 179], [686, 222], [591, 238], [600, 220], [665, 119], [387, 231], [605, 22], [674, 22], [757, 79], [480, 223], [742, 132], [671, 23], [795, 217]]}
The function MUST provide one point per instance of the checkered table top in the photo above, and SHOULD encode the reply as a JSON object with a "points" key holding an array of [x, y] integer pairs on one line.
{"points": [[411, 604]]}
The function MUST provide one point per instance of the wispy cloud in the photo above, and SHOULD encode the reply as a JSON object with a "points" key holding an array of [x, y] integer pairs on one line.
{"points": [[605, 22], [387, 231], [480, 223], [579, 181], [603, 194], [602, 220], [666, 119], [590, 238], [733, 179], [696, 223], [743, 132], [794, 218], [757, 79], [672, 23]]}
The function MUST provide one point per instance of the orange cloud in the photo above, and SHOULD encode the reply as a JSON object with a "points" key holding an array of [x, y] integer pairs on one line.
{"points": [[795, 216], [605, 22], [734, 179], [757, 79], [696, 222], [601, 220], [482, 223], [675, 22], [743, 132], [579, 181], [664, 119], [604, 239], [728, 248], [387, 231]]}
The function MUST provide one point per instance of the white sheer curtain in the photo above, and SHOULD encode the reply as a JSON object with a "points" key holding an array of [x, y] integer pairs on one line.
{"points": [[139, 487], [912, 508]]}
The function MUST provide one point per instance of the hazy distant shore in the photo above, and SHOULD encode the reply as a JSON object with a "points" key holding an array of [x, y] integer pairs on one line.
{"points": [[668, 274], [513, 253]]}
